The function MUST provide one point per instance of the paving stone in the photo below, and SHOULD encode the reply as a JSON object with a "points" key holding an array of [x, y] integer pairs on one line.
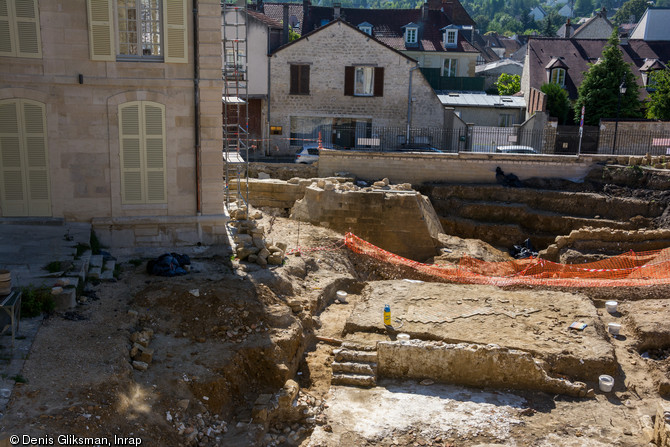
{"points": [[108, 270], [96, 261]]}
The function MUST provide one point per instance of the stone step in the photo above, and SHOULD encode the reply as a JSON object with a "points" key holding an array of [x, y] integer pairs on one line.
{"points": [[66, 299], [95, 272], [355, 368], [358, 346], [96, 261], [108, 270], [344, 355], [353, 380]]}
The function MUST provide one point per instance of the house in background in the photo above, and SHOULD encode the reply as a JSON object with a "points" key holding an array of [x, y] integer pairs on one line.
{"points": [[537, 13], [491, 72], [340, 81], [437, 35], [503, 46], [486, 110], [99, 126], [595, 27], [653, 26]]}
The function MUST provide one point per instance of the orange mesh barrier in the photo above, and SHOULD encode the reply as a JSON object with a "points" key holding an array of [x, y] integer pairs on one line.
{"points": [[628, 269]]}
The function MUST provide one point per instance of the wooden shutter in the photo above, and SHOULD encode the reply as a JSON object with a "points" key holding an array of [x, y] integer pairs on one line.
{"points": [[304, 79], [14, 199], [379, 81], [27, 29], [349, 81], [294, 80], [130, 150], [176, 29], [6, 30], [101, 34], [154, 148], [37, 164]]}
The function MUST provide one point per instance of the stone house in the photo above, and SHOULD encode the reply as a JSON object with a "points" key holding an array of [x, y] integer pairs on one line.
{"points": [[100, 120], [486, 110], [343, 82], [595, 27], [492, 71], [438, 35]]}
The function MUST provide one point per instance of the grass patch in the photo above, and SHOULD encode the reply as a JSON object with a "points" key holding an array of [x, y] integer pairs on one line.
{"points": [[81, 249], [36, 300], [53, 267], [19, 379]]}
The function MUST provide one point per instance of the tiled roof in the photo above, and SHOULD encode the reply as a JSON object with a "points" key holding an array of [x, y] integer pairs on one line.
{"points": [[577, 53], [276, 11], [269, 21]]}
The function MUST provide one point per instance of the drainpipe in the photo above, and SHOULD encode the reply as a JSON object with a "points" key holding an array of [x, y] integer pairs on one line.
{"points": [[196, 100], [409, 103], [267, 150]]}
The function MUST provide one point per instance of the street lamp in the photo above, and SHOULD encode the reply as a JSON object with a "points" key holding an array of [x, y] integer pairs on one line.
{"points": [[622, 91]]}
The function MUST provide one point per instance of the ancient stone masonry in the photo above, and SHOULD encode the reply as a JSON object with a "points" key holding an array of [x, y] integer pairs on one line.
{"points": [[250, 243]]}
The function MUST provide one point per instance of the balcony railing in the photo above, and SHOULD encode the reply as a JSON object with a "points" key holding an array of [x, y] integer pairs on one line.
{"points": [[456, 83]]}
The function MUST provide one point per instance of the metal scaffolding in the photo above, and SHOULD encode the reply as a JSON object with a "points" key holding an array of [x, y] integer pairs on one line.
{"points": [[235, 100]]}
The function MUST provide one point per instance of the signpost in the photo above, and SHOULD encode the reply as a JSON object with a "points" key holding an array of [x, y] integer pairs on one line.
{"points": [[581, 131]]}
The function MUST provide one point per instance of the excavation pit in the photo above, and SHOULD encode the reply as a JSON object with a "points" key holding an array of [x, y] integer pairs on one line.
{"points": [[531, 321]]}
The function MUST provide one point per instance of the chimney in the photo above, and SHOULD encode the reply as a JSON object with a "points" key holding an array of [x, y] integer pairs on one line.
{"points": [[285, 21], [424, 12], [568, 30], [259, 6], [336, 10], [305, 16]]}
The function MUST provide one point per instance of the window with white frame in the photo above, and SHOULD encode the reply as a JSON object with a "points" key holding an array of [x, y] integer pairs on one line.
{"points": [[366, 29], [450, 37], [364, 81], [411, 34], [140, 31], [558, 76], [450, 68]]}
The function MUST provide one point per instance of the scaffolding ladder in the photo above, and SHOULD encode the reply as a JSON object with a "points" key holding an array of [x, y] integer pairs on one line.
{"points": [[235, 101]]}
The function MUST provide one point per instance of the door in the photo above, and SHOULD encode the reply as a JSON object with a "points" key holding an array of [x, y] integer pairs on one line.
{"points": [[24, 164]]}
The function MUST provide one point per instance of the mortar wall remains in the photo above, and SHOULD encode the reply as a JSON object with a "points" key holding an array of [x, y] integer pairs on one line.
{"points": [[470, 365]]}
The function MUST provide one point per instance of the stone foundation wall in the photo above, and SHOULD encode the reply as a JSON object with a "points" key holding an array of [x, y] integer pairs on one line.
{"points": [[470, 365]]}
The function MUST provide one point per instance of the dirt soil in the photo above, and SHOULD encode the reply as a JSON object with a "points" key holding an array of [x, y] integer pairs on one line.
{"points": [[229, 335]]}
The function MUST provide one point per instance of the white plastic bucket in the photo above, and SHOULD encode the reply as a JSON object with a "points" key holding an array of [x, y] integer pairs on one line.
{"points": [[403, 338], [611, 306], [614, 328], [606, 383], [341, 295]]}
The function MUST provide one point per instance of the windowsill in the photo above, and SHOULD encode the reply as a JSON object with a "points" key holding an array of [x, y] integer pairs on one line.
{"points": [[155, 59], [144, 206], [299, 94], [359, 95]]}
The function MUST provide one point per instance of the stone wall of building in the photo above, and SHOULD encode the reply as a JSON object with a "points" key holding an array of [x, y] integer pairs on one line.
{"points": [[82, 98], [327, 52]]}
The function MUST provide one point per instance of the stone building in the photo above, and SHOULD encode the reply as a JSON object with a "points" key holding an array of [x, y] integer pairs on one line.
{"points": [[345, 83], [99, 116]]}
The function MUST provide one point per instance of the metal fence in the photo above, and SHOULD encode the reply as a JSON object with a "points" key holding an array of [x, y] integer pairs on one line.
{"points": [[563, 140]]}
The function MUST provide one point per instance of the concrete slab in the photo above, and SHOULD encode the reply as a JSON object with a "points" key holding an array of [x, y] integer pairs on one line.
{"points": [[534, 321]]}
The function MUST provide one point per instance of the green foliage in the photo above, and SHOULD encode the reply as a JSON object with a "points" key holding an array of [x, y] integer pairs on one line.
{"points": [[558, 103], [599, 91], [135, 262], [53, 267], [508, 84], [35, 301], [81, 248], [18, 378], [630, 8], [659, 100], [550, 24], [583, 8], [292, 35]]}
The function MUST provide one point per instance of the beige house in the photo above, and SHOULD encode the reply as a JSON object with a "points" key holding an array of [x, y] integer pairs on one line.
{"points": [[99, 117], [342, 82]]}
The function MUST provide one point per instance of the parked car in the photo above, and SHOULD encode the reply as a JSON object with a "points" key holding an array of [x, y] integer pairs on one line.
{"points": [[515, 150], [309, 153]]}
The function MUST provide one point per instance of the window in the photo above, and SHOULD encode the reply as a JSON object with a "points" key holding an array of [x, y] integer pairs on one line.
{"points": [[505, 120], [138, 30], [558, 76], [366, 29], [299, 80], [410, 35], [363, 81], [450, 68], [24, 159], [142, 151], [234, 65], [450, 38], [20, 29]]}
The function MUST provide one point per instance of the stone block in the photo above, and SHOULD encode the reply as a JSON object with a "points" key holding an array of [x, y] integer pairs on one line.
{"points": [[107, 272], [66, 300], [140, 366], [96, 261]]}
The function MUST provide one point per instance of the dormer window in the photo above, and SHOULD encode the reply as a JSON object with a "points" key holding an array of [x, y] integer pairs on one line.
{"points": [[411, 35], [650, 70], [450, 36], [558, 76], [366, 28]]}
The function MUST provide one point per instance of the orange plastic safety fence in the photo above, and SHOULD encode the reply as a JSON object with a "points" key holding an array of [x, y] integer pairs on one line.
{"points": [[628, 269]]}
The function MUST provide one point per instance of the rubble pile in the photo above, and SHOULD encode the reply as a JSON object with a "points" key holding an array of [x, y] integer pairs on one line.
{"points": [[140, 353], [250, 243], [203, 429]]}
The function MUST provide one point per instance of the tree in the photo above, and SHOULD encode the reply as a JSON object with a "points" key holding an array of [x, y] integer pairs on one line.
{"points": [[508, 84], [635, 8], [659, 99], [558, 103], [549, 25], [583, 8], [599, 90]]}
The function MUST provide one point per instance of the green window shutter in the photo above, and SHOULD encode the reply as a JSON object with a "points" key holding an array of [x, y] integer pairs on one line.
{"points": [[130, 140], [37, 164], [176, 29], [6, 30], [101, 36], [14, 201], [154, 144], [27, 29]]}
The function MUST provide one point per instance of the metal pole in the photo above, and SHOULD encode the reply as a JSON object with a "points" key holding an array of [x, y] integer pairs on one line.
{"points": [[616, 123], [409, 103]]}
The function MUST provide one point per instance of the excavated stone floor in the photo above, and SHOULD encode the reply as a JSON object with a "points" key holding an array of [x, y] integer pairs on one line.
{"points": [[534, 321]]}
